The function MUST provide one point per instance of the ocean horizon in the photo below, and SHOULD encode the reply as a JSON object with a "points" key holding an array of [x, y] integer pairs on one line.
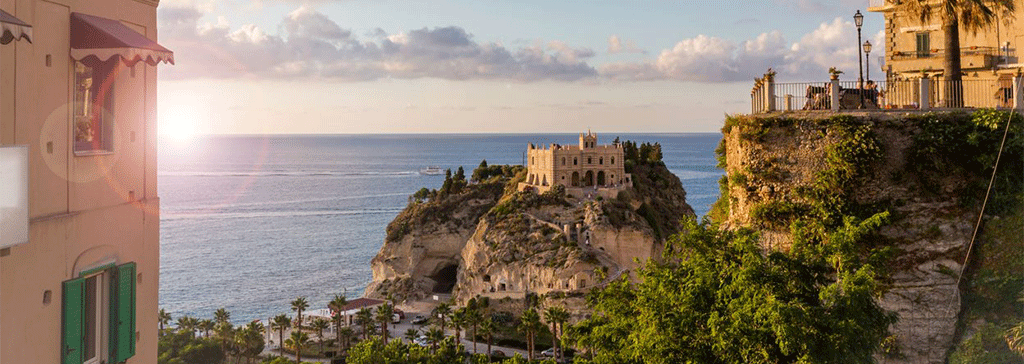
{"points": [[250, 222]]}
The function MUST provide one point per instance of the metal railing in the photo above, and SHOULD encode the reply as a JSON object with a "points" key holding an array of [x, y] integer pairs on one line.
{"points": [[964, 52], [910, 94], [877, 3]]}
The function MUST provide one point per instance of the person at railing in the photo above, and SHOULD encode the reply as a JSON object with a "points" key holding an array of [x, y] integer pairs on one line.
{"points": [[871, 93]]}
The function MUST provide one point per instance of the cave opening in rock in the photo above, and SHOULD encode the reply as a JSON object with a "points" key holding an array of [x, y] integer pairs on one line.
{"points": [[446, 278]]}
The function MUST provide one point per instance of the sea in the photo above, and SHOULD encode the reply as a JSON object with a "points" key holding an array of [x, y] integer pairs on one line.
{"points": [[249, 223]]}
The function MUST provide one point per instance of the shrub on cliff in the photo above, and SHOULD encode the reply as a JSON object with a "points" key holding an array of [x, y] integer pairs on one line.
{"points": [[717, 298]]}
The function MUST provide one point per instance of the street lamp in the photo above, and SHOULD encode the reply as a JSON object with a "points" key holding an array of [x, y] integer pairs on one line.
{"points": [[867, 60], [858, 19]]}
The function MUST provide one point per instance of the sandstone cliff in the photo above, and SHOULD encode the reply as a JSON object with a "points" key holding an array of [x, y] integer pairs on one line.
{"points": [[491, 241], [928, 174]]}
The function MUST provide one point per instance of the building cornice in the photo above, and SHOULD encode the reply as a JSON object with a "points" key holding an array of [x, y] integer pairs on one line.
{"points": [[154, 3]]}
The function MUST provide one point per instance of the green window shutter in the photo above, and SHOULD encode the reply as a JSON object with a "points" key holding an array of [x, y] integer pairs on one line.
{"points": [[122, 313], [72, 344]]}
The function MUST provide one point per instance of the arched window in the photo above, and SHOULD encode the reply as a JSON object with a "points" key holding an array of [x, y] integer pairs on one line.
{"points": [[613, 160], [600, 160], [563, 161], [575, 161], [590, 160], [533, 160]]}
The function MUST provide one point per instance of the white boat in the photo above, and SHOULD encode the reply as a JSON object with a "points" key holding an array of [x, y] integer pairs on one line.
{"points": [[432, 171]]}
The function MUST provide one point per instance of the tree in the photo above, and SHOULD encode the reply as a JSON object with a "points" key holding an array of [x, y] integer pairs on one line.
{"points": [[164, 318], [969, 15], [226, 333], [299, 305], [556, 317], [364, 317], [434, 336], [458, 320], [488, 328], [716, 297], [474, 316], [336, 306], [385, 312], [188, 324], [281, 323], [441, 312], [530, 325], [206, 325], [345, 336], [320, 324], [249, 340], [221, 315], [411, 334], [297, 341]]}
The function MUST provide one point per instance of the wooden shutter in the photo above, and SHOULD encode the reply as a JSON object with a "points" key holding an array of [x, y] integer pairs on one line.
{"points": [[72, 321], [122, 313]]}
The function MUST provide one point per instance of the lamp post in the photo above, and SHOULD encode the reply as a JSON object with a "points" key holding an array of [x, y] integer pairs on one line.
{"points": [[867, 60], [858, 19]]}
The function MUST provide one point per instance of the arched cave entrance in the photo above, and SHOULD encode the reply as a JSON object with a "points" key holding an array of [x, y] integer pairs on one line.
{"points": [[446, 278]]}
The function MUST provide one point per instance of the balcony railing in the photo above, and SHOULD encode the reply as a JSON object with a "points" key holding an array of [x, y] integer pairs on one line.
{"points": [[964, 52], [877, 3], [914, 94]]}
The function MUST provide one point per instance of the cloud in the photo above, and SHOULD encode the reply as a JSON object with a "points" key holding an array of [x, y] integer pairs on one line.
{"points": [[616, 45], [311, 45], [712, 59]]}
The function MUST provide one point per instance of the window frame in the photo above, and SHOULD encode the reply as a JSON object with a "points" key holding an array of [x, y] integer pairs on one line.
{"points": [[115, 315], [924, 52], [103, 79]]}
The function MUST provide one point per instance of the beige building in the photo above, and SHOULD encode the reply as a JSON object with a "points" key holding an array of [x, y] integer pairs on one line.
{"points": [[578, 168], [912, 47], [81, 100]]}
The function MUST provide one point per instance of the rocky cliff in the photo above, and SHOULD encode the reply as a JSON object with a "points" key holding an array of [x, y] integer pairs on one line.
{"points": [[492, 241], [929, 171]]}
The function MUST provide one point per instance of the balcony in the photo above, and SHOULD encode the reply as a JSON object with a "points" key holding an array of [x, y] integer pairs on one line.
{"points": [[971, 58], [880, 5]]}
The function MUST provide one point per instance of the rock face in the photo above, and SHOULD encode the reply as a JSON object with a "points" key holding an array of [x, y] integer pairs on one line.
{"points": [[494, 242], [768, 160]]}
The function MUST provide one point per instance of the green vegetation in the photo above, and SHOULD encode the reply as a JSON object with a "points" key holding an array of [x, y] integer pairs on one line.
{"points": [[717, 298], [181, 346]]}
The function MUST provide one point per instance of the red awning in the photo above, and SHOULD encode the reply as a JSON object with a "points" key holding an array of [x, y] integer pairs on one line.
{"points": [[12, 28], [103, 39]]}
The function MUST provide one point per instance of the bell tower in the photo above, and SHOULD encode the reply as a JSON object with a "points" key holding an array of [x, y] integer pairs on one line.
{"points": [[588, 140]]}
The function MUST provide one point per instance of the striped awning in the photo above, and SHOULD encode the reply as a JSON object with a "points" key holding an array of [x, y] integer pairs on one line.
{"points": [[101, 39], [12, 28]]}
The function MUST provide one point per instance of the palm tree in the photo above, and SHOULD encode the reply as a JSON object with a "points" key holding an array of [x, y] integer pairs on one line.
{"points": [[473, 319], [971, 15], [298, 305], [383, 317], [458, 321], [248, 341], [488, 328], [336, 305], [434, 336], [188, 324], [442, 311], [530, 325], [221, 315], [281, 323], [226, 332], [320, 324], [364, 318], [345, 335], [164, 318], [297, 341], [206, 325], [411, 334], [556, 317]]}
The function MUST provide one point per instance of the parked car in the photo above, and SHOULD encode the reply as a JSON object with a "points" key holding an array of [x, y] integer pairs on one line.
{"points": [[419, 320], [550, 353], [421, 341]]}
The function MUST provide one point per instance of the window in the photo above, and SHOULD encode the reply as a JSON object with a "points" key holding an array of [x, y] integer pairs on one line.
{"points": [[613, 160], [563, 161], [98, 318], [600, 161], [575, 161], [923, 45], [590, 160], [94, 106]]}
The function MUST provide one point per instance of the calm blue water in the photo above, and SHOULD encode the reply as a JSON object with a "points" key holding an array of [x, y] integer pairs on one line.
{"points": [[250, 223]]}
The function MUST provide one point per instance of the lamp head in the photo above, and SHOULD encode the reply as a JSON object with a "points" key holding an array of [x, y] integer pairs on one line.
{"points": [[858, 19], [867, 46]]}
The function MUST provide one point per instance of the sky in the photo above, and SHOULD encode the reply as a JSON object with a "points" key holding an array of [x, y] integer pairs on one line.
{"points": [[489, 66]]}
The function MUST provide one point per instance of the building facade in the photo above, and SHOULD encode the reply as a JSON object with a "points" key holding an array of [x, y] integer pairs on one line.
{"points": [[913, 48], [81, 100], [578, 168]]}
